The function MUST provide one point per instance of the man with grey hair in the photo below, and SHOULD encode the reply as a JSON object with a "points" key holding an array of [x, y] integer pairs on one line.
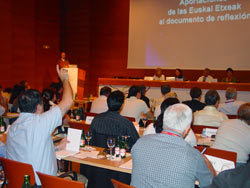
{"points": [[166, 159], [231, 106]]}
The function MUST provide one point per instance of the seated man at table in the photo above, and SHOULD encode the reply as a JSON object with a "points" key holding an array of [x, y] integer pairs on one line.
{"points": [[210, 116], [206, 76], [166, 93], [112, 124], [166, 159], [134, 106], [231, 106], [195, 103], [99, 105], [234, 135], [29, 138]]}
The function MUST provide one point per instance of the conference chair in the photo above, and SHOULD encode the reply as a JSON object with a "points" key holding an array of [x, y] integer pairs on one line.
{"points": [[118, 184], [90, 114], [132, 119], [49, 181], [228, 155], [79, 125], [232, 116], [197, 129], [14, 172]]}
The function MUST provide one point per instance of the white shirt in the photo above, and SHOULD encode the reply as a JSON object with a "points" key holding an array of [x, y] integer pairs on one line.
{"points": [[190, 138], [208, 79], [2, 110], [230, 107], [162, 77], [157, 111], [134, 107], [209, 116], [157, 102], [99, 105], [29, 140], [234, 135]]}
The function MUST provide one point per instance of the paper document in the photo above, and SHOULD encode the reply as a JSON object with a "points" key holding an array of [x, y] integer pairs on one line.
{"points": [[220, 164], [127, 165], [64, 153], [210, 132], [74, 137], [89, 119], [85, 154]]}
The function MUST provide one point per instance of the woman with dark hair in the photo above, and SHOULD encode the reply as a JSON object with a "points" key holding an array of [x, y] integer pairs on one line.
{"points": [[229, 78], [178, 75], [49, 98], [17, 90], [157, 126]]}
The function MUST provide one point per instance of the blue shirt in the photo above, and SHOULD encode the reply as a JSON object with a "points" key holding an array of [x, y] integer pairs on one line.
{"points": [[29, 140], [161, 160]]}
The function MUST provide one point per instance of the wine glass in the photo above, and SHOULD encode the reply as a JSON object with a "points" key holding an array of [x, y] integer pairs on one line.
{"points": [[144, 120], [111, 144], [88, 136]]}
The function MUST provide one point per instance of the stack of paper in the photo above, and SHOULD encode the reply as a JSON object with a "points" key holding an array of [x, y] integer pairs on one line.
{"points": [[85, 154], [127, 165], [220, 164], [73, 145]]}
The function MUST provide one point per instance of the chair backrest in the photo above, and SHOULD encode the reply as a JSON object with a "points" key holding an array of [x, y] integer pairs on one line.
{"points": [[49, 181], [232, 116], [90, 114], [228, 155], [15, 171], [79, 125], [197, 129], [132, 119], [118, 184]]}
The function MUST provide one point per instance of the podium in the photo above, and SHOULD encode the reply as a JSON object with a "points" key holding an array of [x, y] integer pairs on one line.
{"points": [[77, 79]]}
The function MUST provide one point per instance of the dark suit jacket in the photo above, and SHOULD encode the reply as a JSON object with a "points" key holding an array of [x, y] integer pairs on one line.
{"points": [[238, 177], [195, 105]]}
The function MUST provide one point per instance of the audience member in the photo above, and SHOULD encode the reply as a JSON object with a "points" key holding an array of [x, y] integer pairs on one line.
{"points": [[229, 77], [99, 105], [195, 103], [134, 106], [178, 75], [25, 84], [111, 123], [157, 126], [63, 62], [29, 138], [231, 106], [143, 95], [49, 99], [166, 93], [158, 74], [166, 159], [58, 87], [210, 116], [3, 103], [238, 177], [206, 77], [234, 134], [13, 103]]}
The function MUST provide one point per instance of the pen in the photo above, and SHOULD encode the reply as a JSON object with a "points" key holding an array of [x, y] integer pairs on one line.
{"points": [[203, 151]]}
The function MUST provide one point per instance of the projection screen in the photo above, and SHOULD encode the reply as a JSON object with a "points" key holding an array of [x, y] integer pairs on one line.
{"points": [[189, 34]]}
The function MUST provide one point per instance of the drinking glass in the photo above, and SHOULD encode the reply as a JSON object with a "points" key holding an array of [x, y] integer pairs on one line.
{"points": [[144, 120], [111, 144], [88, 136]]}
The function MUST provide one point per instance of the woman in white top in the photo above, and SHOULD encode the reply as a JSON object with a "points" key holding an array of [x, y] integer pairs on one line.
{"points": [[158, 75], [157, 126]]}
